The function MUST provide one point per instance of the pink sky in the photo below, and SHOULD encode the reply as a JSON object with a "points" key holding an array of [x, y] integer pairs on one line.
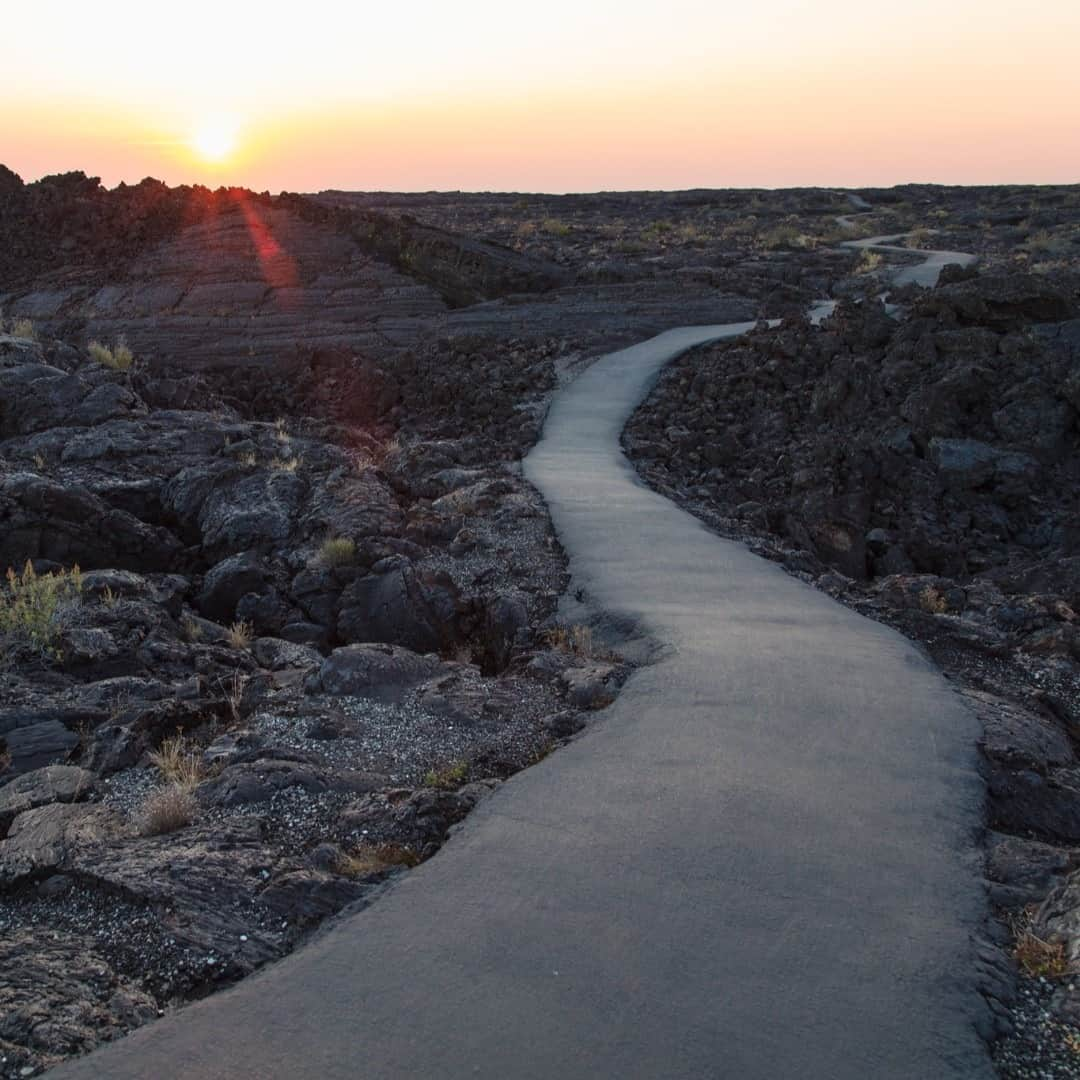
{"points": [[605, 95]]}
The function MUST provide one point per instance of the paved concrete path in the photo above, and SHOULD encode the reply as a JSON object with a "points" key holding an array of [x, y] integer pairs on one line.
{"points": [[759, 864], [924, 273]]}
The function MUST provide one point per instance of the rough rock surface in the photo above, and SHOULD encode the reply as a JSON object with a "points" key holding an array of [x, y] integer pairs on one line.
{"points": [[370, 368], [212, 617]]}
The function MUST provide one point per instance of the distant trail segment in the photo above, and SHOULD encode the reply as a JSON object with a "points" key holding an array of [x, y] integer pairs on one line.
{"points": [[758, 865], [925, 273]]}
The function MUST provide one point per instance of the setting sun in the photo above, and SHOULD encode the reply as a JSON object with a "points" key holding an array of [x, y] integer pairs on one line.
{"points": [[215, 138]]}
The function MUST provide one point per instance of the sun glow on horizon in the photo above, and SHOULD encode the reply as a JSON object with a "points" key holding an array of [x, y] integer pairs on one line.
{"points": [[613, 94], [215, 138]]}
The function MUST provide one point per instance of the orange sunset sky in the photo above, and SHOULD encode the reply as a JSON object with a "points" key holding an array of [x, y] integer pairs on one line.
{"points": [[570, 95]]}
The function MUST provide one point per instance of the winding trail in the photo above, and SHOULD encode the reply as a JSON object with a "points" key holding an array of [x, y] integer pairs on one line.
{"points": [[925, 273], [760, 864]]}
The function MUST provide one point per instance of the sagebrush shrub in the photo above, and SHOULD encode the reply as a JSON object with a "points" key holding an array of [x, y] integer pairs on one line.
{"points": [[32, 607]]}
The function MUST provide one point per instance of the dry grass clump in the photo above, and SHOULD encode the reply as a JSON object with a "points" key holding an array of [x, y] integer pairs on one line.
{"points": [[118, 357], [233, 690], [337, 551], [448, 777], [656, 231], [932, 601], [1041, 959], [577, 640], [247, 459], [240, 635], [374, 858], [165, 810], [22, 328], [190, 629], [285, 464], [787, 235], [869, 262], [555, 227], [32, 607], [179, 762]]}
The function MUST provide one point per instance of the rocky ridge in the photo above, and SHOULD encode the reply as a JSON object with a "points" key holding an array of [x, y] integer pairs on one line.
{"points": [[291, 660]]}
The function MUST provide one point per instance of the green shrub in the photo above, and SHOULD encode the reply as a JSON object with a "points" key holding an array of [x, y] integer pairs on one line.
{"points": [[656, 231], [32, 607], [448, 777], [555, 227]]}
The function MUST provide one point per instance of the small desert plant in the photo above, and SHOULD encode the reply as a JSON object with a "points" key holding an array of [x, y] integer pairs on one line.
{"points": [[689, 233], [545, 749], [247, 459], [337, 551], [23, 328], [374, 858], [656, 231], [1041, 959], [869, 262], [119, 357], [190, 629], [281, 428], [32, 607], [166, 810], [555, 227], [786, 235], [109, 598], [285, 464], [240, 634], [179, 762], [447, 777], [119, 703], [40, 463], [233, 689], [577, 640], [932, 602], [1040, 243]]}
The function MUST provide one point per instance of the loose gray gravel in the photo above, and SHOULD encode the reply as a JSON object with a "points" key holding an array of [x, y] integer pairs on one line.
{"points": [[1041, 1047]]}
